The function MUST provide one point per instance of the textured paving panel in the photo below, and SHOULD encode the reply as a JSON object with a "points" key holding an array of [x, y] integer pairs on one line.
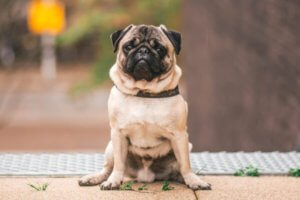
{"points": [[228, 163], [69, 164], [55, 164]]}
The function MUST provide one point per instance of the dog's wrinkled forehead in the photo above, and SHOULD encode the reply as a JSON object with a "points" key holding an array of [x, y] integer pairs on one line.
{"points": [[145, 33]]}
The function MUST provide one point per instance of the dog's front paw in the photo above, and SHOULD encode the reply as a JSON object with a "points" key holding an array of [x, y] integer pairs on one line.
{"points": [[110, 185], [195, 183], [113, 182], [91, 179]]}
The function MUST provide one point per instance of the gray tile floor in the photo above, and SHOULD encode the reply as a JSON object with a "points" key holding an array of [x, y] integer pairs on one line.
{"points": [[72, 164]]}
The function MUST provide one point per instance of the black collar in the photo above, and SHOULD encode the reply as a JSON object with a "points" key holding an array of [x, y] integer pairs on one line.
{"points": [[166, 93], [163, 94]]}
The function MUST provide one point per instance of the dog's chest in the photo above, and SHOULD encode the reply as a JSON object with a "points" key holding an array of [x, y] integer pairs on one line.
{"points": [[145, 125], [146, 122], [147, 114], [144, 135]]}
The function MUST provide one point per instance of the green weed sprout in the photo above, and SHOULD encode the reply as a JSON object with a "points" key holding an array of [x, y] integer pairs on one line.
{"points": [[247, 171], [143, 187], [166, 186], [39, 187], [127, 186], [294, 172]]}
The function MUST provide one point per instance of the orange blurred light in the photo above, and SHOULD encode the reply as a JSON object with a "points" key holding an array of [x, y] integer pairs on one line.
{"points": [[46, 16]]}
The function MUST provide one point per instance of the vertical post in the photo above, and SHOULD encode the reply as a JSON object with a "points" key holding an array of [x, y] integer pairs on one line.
{"points": [[48, 63], [243, 74]]}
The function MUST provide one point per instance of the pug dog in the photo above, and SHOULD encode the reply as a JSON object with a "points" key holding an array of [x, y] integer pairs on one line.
{"points": [[148, 116]]}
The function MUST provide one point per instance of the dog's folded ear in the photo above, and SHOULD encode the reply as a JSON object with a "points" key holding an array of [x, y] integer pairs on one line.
{"points": [[174, 37], [118, 35]]}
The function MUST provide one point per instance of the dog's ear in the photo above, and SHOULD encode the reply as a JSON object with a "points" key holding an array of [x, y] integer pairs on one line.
{"points": [[174, 37], [118, 35]]}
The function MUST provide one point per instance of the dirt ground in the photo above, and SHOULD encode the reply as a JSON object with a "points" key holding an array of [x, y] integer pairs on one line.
{"points": [[224, 188], [38, 115]]}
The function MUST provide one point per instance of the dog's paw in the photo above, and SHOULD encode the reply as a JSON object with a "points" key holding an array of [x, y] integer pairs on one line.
{"points": [[195, 183], [91, 179], [113, 182], [110, 185]]}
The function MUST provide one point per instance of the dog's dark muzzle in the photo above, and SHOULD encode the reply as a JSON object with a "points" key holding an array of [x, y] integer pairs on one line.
{"points": [[142, 70], [143, 64]]}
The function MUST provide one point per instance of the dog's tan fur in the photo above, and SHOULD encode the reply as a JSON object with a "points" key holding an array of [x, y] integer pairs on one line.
{"points": [[154, 126]]}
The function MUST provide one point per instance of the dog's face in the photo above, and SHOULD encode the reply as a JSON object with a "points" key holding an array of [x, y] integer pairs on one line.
{"points": [[146, 52]]}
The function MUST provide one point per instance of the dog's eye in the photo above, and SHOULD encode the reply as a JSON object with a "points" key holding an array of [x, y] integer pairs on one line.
{"points": [[128, 47], [161, 51]]}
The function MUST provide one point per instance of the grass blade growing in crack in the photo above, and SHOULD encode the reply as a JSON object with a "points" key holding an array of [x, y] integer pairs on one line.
{"points": [[247, 171], [127, 186], [239, 172], [38, 187], [45, 186], [251, 171], [166, 186], [294, 172], [143, 187]]}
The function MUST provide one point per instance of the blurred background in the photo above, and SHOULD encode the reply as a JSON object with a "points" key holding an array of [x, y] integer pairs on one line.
{"points": [[240, 61]]}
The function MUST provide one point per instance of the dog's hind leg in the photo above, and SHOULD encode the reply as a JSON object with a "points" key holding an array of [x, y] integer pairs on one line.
{"points": [[97, 178]]}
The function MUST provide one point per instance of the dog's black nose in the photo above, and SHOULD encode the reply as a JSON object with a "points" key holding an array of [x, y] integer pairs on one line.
{"points": [[143, 50]]}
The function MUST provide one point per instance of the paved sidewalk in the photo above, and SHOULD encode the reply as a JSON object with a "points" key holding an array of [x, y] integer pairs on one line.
{"points": [[224, 188]]}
